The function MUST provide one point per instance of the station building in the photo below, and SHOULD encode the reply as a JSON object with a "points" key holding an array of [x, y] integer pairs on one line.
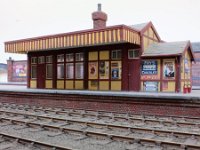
{"points": [[114, 58]]}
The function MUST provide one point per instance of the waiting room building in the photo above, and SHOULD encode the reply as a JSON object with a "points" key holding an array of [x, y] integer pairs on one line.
{"points": [[107, 58]]}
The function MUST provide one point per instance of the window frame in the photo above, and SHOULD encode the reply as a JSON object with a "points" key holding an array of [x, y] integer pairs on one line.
{"points": [[33, 60], [32, 71], [82, 73], [60, 58], [66, 70], [47, 71], [133, 50], [61, 64], [79, 56], [68, 56], [118, 54]]}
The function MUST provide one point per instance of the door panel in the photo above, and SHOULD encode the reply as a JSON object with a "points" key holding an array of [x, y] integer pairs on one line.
{"points": [[134, 75], [41, 76]]}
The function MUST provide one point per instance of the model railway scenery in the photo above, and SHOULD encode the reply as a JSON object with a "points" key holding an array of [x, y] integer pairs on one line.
{"points": [[31, 127], [110, 87]]}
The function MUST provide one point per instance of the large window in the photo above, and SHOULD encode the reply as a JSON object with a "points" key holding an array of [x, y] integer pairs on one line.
{"points": [[116, 54], [33, 71], [79, 71], [69, 70], [49, 71], [60, 71], [60, 66], [49, 67]]}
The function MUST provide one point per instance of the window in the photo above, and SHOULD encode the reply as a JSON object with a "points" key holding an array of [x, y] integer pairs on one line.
{"points": [[69, 70], [33, 71], [60, 58], [79, 71], [79, 57], [49, 71], [41, 60], [60, 71], [116, 54], [69, 57], [34, 60], [132, 53], [49, 59]]}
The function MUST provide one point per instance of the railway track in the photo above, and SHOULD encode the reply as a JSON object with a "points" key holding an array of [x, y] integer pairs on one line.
{"points": [[105, 131], [159, 119]]}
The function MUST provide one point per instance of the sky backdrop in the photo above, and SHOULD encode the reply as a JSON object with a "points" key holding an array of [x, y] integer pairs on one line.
{"points": [[174, 20]]}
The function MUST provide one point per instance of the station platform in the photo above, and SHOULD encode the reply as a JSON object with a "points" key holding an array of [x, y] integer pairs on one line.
{"points": [[194, 95]]}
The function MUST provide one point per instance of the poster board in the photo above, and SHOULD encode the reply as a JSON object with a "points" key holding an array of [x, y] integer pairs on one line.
{"points": [[169, 69], [116, 70], [104, 69], [93, 70], [150, 86]]}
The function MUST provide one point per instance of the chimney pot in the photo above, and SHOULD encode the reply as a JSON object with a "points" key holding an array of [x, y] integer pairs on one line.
{"points": [[99, 7]]}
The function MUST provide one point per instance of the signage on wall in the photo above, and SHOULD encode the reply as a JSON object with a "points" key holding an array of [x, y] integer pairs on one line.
{"points": [[187, 69], [104, 69], [150, 86], [93, 70], [116, 70], [169, 69], [149, 67]]}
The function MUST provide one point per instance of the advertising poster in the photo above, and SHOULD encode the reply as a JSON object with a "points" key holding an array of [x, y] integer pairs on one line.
{"points": [[19, 71], [187, 68], [104, 69], [149, 67], [150, 86], [93, 70], [169, 69], [116, 70]]}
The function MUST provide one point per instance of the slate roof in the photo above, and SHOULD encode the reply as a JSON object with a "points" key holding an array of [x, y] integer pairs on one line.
{"points": [[140, 26], [196, 47], [165, 49]]}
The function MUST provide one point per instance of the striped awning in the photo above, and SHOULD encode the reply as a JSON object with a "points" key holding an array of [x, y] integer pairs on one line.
{"points": [[110, 35]]}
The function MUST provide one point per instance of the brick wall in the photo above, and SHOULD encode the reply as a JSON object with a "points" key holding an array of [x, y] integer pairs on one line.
{"points": [[154, 106]]}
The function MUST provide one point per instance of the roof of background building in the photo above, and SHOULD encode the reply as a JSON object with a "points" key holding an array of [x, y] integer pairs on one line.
{"points": [[196, 46], [165, 49], [140, 26]]}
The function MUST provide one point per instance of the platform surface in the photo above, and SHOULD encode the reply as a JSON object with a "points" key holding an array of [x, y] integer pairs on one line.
{"points": [[194, 95]]}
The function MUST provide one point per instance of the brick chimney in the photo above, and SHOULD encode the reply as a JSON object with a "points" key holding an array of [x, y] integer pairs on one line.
{"points": [[99, 18]]}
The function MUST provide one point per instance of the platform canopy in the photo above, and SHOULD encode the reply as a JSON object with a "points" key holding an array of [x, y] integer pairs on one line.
{"points": [[93, 37]]}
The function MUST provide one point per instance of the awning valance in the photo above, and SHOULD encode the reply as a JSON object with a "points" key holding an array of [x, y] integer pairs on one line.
{"points": [[109, 35]]}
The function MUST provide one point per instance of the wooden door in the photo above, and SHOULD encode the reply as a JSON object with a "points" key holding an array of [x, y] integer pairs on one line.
{"points": [[41, 73], [134, 75]]}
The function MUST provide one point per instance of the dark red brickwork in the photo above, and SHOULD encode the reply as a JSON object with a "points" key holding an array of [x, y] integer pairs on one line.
{"points": [[99, 18], [196, 70], [154, 106], [17, 70]]}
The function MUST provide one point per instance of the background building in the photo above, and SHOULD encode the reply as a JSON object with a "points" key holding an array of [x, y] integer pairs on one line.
{"points": [[196, 65], [17, 70]]}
